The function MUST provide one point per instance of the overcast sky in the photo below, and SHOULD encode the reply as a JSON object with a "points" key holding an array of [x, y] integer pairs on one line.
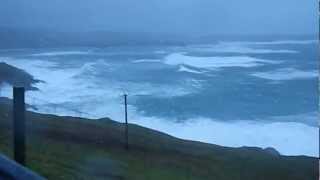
{"points": [[169, 16]]}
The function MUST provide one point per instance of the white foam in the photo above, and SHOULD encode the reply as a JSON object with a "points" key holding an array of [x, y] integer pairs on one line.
{"points": [[81, 96], [61, 53], [186, 69], [65, 86], [147, 61], [215, 62], [289, 138], [92, 67], [311, 118], [224, 47], [286, 74], [5, 90], [80, 87], [282, 42]]}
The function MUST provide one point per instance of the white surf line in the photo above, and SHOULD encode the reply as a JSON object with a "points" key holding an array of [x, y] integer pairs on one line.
{"points": [[286, 74], [146, 61], [189, 70], [289, 138], [223, 47], [282, 42], [215, 61], [61, 53]]}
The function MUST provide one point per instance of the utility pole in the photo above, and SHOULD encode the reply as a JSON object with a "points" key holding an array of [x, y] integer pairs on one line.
{"points": [[19, 125], [126, 120]]}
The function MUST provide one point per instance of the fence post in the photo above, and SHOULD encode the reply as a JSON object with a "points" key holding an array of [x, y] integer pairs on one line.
{"points": [[126, 119], [19, 125]]}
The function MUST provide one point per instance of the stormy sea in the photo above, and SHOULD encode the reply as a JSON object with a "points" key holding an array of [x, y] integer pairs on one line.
{"points": [[232, 93]]}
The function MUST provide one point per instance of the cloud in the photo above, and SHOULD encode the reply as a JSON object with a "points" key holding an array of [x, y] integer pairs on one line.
{"points": [[174, 16]]}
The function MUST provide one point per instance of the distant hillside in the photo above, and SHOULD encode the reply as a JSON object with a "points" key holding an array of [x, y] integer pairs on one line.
{"points": [[76, 148]]}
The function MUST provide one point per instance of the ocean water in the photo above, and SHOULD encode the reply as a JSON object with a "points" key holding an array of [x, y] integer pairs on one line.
{"points": [[230, 93]]}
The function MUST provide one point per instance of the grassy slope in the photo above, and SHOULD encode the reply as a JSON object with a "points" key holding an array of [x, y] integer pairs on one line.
{"points": [[74, 148]]}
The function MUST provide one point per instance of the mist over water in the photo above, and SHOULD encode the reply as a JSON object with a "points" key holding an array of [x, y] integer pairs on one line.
{"points": [[234, 93], [188, 17]]}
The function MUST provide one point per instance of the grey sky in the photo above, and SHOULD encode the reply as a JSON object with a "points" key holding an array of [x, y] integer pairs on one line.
{"points": [[170, 16]]}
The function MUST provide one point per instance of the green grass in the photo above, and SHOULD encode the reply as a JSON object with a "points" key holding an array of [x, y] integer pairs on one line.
{"points": [[74, 148]]}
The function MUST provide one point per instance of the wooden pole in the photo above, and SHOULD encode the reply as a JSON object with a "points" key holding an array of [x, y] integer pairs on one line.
{"points": [[19, 125], [126, 120]]}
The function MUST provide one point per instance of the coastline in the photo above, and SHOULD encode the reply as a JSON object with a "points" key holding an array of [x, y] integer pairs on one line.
{"points": [[71, 147]]}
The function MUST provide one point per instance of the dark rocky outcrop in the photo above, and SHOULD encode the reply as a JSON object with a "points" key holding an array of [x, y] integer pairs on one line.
{"points": [[272, 151], [16, 77]]}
